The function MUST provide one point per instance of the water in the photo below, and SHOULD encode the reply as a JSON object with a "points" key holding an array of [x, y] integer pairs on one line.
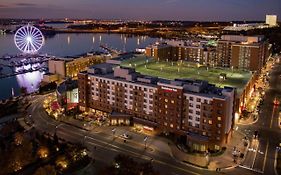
{"points": [[62, 45]]}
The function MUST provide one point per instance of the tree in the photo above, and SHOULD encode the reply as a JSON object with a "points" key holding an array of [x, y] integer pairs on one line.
{"points": [[46, 170], [18, 138]]}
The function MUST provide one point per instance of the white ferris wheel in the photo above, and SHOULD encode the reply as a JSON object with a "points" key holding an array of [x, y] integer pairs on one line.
{"points": [[29, 39]]}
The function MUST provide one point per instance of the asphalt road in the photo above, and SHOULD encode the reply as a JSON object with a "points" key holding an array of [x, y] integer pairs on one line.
{"points": [[260, 157], [105, 146]]}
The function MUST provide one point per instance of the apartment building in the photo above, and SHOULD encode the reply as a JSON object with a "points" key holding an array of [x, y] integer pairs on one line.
{"points": [[233, 51], [197, 112]]}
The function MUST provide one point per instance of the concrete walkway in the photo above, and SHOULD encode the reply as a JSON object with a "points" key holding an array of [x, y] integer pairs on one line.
{"points": [[223, 161]]}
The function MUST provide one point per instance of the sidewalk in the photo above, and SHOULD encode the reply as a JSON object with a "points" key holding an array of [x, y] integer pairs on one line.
{"points": [[250, 120], [224, 161]]}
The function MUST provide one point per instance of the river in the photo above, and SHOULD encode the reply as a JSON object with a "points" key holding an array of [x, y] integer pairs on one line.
{"points": [[62, 45]]}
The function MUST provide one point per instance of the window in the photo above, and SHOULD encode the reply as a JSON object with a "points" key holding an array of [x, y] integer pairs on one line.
{"points": [[190, 105], [197, 119], [166, 106], [219, 118], [166, 100], [198, 106], [197, 112], [171, 125], [219, 125], [217, 147], [204, 133], [219, 111], [198, 99], [191, 98], [172, 101], [190, 111], [206, 101], [210, 122], [190, 117], [197, 125]]}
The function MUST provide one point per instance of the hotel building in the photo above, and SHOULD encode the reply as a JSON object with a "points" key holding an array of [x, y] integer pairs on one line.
{"points": [[195, 111]]}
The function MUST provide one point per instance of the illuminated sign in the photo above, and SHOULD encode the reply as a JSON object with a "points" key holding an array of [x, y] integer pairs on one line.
{"points": [[169, 89]]}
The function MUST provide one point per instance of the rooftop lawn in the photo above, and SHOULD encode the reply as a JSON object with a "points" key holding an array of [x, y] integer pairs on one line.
{"points": [[172, 70]]}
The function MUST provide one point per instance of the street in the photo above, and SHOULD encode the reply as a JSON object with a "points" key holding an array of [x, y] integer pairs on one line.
{"points": [[261, 153]]}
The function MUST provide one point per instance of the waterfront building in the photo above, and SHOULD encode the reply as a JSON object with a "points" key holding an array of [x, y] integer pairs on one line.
{"points": [[194, 110], [60, 68]]}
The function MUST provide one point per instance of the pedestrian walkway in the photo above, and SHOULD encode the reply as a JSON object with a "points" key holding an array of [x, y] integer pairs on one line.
{"points": [[223, 161], [248, 121], [226, 160]]}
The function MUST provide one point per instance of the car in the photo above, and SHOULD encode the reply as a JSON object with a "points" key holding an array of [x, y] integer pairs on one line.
{"points": [[256, 134], [276, 102], [125, 136]]}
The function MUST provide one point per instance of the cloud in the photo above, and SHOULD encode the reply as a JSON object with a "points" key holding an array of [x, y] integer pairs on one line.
{"points": [[3, 6], [171, 1], [25, 4]]}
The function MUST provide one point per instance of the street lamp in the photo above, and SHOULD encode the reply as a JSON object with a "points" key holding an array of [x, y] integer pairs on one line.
{"points": [[145, 141], [207, 157], [113, 132]]}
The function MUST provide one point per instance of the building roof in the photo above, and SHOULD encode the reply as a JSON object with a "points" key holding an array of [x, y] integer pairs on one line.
{"points": [[123, 74]]}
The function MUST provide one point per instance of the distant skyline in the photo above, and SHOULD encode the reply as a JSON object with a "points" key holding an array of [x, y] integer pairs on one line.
{"points": [[189, 10]]}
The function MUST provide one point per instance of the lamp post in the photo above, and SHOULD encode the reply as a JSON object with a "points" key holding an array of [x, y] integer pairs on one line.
{"points": [[113, 132], [145, 141]]}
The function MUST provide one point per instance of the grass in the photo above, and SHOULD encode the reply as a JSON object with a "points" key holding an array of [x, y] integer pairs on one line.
{"points": [[172, 70]]}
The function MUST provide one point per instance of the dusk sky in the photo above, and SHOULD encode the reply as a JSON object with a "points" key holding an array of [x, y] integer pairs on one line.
{"points": [[203, 10]]}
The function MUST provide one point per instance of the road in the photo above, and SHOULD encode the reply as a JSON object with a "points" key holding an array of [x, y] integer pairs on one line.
{"points": [[108, 146], [104, 146], [260, 157]]}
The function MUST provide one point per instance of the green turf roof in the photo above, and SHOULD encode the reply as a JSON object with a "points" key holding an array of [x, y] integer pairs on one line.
{"points": [[171, 70]]}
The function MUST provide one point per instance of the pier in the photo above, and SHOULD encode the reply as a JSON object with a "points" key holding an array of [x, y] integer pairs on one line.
{"points": [[109, 49]]}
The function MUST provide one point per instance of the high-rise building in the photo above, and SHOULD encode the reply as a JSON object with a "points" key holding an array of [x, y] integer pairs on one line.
{"points": [[271, 20], [194, 110]]}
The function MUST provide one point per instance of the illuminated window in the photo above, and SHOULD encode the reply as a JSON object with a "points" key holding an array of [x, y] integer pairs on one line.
{"points": [[219, 118], [171, 125], [210, 122], [166, 100], [173, 101]]}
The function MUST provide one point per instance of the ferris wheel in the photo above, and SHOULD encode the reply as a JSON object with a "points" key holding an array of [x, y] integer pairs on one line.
{"points": [[29, 39]]}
